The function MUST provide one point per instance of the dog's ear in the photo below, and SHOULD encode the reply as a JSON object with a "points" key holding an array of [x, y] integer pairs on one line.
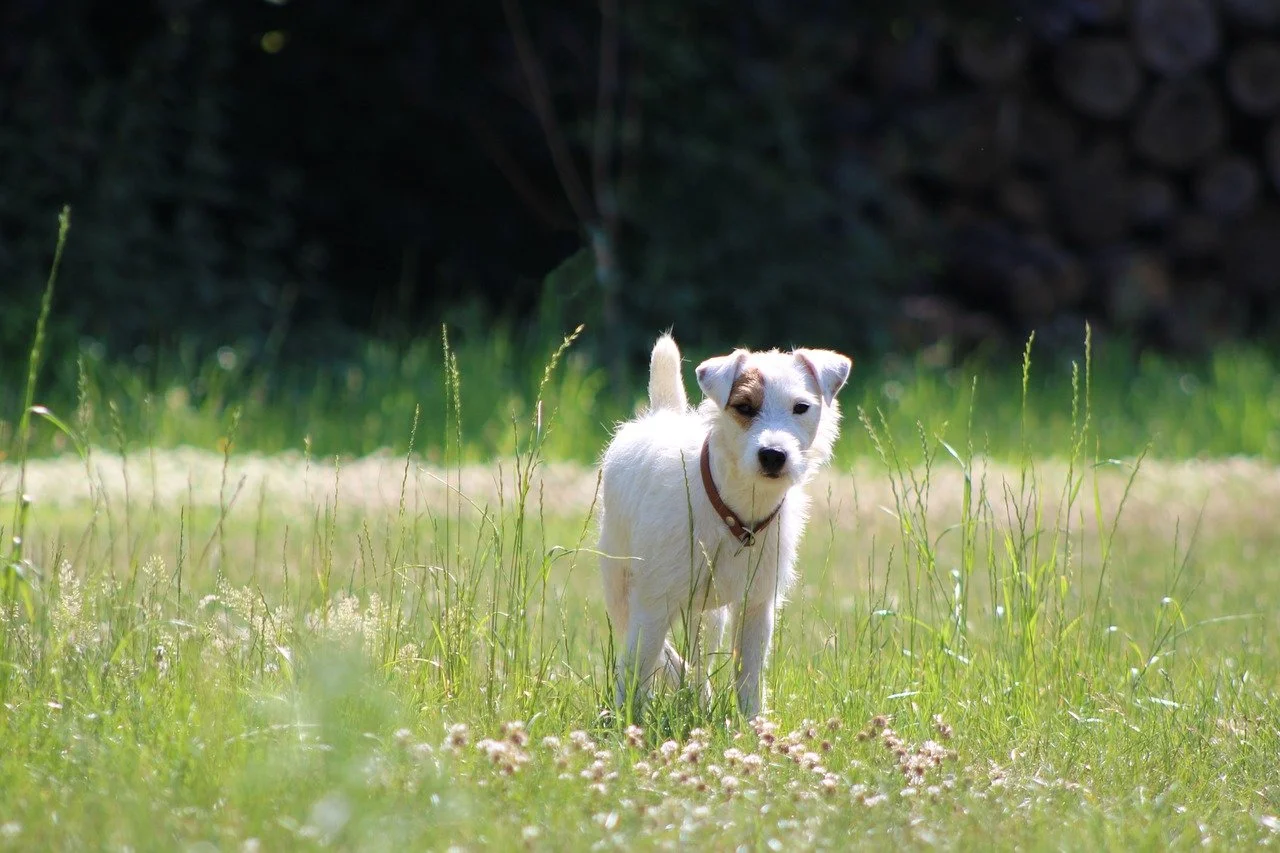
{"points": [[716, 375], [829, 368]]}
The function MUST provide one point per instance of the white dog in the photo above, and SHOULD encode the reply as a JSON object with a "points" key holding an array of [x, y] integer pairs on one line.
{"points": [[702, 510]]}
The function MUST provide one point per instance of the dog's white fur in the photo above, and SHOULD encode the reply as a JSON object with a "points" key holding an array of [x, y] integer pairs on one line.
{"points": [[666, 555]]}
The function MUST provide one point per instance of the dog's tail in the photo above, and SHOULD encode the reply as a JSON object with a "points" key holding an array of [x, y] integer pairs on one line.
{"points": [[666, 386]]}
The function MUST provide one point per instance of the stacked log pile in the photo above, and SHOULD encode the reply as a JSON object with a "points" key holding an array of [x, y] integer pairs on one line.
{"points": [[1111, 159]]}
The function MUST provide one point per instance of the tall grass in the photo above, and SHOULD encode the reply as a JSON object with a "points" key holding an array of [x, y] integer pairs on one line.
{"points": [[374, 653], [1227, 404]]}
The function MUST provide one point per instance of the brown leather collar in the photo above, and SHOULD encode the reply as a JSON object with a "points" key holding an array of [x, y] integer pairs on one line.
{"points": [[745, 535]]}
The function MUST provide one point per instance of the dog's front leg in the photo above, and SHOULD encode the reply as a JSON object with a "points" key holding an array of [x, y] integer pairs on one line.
{"points": [[753, 649]]}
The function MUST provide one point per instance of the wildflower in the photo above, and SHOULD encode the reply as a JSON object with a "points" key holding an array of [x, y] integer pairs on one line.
{"points": [[765, 730], [551, 742], [692, 752], [944, 731], [752, 764], [729, 784], [514, 733], [634, 736], [456, 736]]}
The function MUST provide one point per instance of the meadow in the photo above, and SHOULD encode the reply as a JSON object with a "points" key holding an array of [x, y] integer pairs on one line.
{"points": [[1034, 613]]}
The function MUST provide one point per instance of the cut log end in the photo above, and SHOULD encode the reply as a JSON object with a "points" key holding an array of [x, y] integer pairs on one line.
{"points": [[1098, 76], [1181, 124], [1091, 195], [1153, 201], [1176, 37], [1252, 13], [990, 58], [1046, 136], [1253, 78], [1251, 254], [1271, 154], [1228, 186]]}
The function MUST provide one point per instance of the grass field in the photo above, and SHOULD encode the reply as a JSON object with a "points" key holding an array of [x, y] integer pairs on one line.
{"points": [[1039, 648], [1015, 629]]}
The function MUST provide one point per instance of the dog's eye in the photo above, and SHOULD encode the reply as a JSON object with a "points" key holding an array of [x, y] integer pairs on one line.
{"points": [[745, 409], [799, 408]]}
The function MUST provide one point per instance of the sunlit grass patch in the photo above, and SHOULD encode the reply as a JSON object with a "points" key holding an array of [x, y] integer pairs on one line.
{"points": [[265, 653], [1049, 648]]}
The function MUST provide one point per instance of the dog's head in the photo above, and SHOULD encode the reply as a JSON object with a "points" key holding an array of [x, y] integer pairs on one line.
{"points": [[778, 409]]}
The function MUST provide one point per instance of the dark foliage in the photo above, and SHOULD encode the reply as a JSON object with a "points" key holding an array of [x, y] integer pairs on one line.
{"points": [[291, 176], [264, 172]]}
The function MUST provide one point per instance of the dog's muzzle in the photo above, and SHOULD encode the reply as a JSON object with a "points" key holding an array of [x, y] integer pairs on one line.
{"points": [[772, 460]]}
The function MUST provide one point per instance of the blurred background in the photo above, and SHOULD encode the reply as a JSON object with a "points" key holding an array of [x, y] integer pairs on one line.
{"points": [[278, 183]]}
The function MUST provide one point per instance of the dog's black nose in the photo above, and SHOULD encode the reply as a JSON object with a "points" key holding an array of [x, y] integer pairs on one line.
{"points": [[771, 460]]}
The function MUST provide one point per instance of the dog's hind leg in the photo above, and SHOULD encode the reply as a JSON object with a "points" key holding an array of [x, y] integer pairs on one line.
{"points": [[646, 638], [714, 626], [679, 673], [615, 573], [756, 632]]}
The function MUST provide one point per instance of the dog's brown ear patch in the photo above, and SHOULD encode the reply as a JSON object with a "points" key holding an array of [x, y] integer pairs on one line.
{"points": [[748, 390]]}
